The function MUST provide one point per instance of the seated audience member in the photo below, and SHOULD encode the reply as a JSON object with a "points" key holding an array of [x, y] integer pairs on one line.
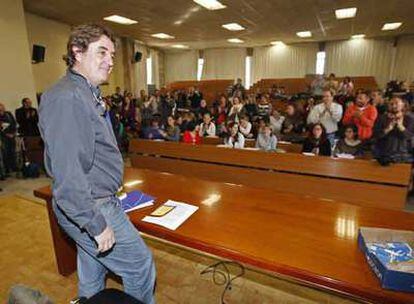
{"points": [[188, 117], [251, 107], [276, 121], [153, 131], [203, 109], [167, 106], [117, 97], [195, 97], [191, 135], [266, 141], [245, 127], [238, 87], [394, 133], [147, 112], [346, 87], [171, 132], [349, 144], [264, 108], [317, 86], [379, 102], [221, 110], [293, 125], [8, 139], [236, 110], [128, 112], [27, 119], [234, 138], [328, 113], [207, 127], [331, 83], [309, 105], [179, 123], [316, 142], [363, 115]]}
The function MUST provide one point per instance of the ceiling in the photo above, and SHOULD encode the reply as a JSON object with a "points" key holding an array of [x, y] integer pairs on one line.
{"points": [[264, 20]]}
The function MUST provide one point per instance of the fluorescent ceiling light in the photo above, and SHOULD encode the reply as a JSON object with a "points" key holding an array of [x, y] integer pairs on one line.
{"points": [[277, 43], [162, 36], [391, 26], [304, 34], [180, 46], [210, 4], [233, 27], [235, 40], [120, 20], [345, 13], [358, 36]]}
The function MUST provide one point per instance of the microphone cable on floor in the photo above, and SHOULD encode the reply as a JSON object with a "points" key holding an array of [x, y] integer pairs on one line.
{"points": [[222, 276]]}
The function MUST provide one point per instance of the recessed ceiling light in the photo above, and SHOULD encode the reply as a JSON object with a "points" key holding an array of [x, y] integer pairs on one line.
{"points": [[210, 4], [120, 20], [345, 13], [233, 27], [180, 46], [277, 43], [235, 40], [304, 34], [358, 36], [391, 26], [162, 36]]}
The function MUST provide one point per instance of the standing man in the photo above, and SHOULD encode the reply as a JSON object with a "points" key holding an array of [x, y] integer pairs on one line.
{"points": [[27, 119], [363, 115], [328, 113], [87, 169]]}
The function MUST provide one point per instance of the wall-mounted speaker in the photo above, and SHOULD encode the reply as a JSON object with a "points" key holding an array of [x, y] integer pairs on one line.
{"points": [[38, 53]]}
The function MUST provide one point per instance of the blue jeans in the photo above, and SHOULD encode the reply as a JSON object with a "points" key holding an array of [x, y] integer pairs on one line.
{"points": [[130, 258]]}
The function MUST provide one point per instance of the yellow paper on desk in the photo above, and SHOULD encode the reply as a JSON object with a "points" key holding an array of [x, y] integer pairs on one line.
{"points": [[162, 210]]}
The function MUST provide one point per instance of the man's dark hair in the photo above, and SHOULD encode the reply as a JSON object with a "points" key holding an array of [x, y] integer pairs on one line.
{"points": [[83, 35]]}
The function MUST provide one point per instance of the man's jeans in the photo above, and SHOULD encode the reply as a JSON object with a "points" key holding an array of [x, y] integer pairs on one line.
{"points": [[130, 258]]}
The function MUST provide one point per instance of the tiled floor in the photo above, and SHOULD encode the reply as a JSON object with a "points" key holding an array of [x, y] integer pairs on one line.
{"points": [[179, 279]]}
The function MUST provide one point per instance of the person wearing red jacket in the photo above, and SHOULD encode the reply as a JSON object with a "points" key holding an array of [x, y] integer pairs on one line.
{"points": [[191, 135], [363, 115]]}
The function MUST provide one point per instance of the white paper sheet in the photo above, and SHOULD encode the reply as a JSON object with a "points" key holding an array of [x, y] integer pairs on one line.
{"points": [[173, 219]]}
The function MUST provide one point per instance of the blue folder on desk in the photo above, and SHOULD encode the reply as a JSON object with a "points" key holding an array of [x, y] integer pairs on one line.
{"points": [[135, 200]]}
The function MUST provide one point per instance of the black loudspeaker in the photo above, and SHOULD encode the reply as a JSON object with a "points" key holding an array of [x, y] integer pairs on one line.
{"points": [[38, 53], [137, 57]]}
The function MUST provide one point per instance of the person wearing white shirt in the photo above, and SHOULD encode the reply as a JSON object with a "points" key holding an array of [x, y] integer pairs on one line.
{"points": [[207, 127], [245, 127], [235, 139], [328, 113], [276, 121]]}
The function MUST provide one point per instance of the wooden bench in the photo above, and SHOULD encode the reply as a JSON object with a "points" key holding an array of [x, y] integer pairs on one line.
{"points": [[360, 182], [307, 241]]}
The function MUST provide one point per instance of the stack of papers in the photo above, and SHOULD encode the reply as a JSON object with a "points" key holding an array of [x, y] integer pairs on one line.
{"points": [[171, 215]]}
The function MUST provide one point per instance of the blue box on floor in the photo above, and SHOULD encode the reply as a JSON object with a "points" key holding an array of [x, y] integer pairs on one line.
{"points": [[399, 280]]}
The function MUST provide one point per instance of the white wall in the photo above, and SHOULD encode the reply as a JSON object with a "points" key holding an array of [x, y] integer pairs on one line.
{"points": [[53, 36], [16, 77], [360, 57]]}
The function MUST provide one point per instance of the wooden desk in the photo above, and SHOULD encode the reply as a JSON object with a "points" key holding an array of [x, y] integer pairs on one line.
{"points": [[358, 181], [310, 241]]}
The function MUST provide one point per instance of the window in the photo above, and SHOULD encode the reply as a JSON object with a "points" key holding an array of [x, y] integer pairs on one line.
{"points": [[200, 64], [320, 63], [149, 70], [248, 71]]}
